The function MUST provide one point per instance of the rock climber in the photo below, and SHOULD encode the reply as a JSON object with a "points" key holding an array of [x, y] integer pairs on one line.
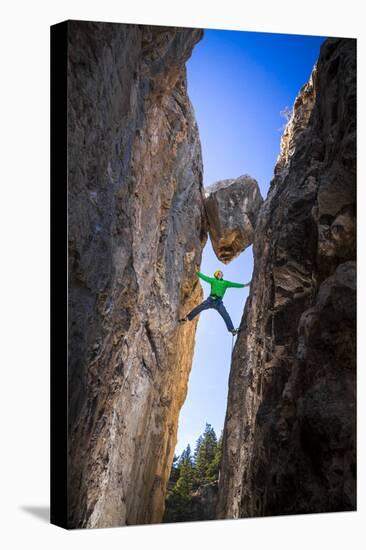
{"points": [[214, 301]]}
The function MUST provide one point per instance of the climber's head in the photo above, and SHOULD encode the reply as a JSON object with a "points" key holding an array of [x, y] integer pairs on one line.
{"points": [[218, 274]]}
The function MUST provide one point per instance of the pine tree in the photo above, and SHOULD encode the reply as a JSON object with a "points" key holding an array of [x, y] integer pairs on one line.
{"points": [[204, 454], [186, 456], [174, 474], [179, 501], [190, 473], [199, 444], [214, 466], [185, 481]]}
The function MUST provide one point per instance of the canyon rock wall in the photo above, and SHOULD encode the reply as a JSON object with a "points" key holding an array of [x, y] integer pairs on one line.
{"points": [[204, 502], [136, 232], [289, 436], [232, 208]]}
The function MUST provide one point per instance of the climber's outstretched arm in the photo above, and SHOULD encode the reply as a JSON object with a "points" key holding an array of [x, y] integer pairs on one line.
{"points": [[234, 285], [204, 277]]}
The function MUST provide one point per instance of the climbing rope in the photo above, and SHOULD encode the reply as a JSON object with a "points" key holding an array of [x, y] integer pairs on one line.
{"points": [[232, 346]]}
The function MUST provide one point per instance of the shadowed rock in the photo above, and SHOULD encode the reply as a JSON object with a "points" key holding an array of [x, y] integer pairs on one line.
{"points": [[289, 438], [204, 501], [232, 208]]}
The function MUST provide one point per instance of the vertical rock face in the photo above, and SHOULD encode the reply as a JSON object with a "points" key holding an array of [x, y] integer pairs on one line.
{"points": [[204, 502], [232, 208], [136, 233], [289, 437]]}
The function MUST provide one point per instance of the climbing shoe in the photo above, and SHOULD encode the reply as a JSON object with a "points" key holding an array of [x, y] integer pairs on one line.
{"points": [[235, 331]]}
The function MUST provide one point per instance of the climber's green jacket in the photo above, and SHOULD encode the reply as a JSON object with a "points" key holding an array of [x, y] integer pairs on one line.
{"points": [[218, 286]]}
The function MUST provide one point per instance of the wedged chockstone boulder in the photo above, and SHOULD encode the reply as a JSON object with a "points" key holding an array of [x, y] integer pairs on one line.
{"points": [[232, 208]]}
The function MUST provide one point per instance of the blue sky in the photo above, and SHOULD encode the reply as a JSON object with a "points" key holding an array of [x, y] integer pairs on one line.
{"points": [[238, 83]]}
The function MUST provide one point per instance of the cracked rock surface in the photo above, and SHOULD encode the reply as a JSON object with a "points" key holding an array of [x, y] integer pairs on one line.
{"points": [[136, 232], [289, 436], [232, 208]]}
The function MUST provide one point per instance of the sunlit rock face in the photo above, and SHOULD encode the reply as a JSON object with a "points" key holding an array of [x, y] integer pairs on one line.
{"points": [[136, 233], [289, 437], [232, 208]]}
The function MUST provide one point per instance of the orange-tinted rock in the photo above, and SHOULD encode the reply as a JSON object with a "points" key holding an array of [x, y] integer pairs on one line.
{"points": [[136, 233]]}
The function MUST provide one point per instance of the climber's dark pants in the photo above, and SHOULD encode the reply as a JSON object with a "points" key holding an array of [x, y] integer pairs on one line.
{"points": [[214, 303]]}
